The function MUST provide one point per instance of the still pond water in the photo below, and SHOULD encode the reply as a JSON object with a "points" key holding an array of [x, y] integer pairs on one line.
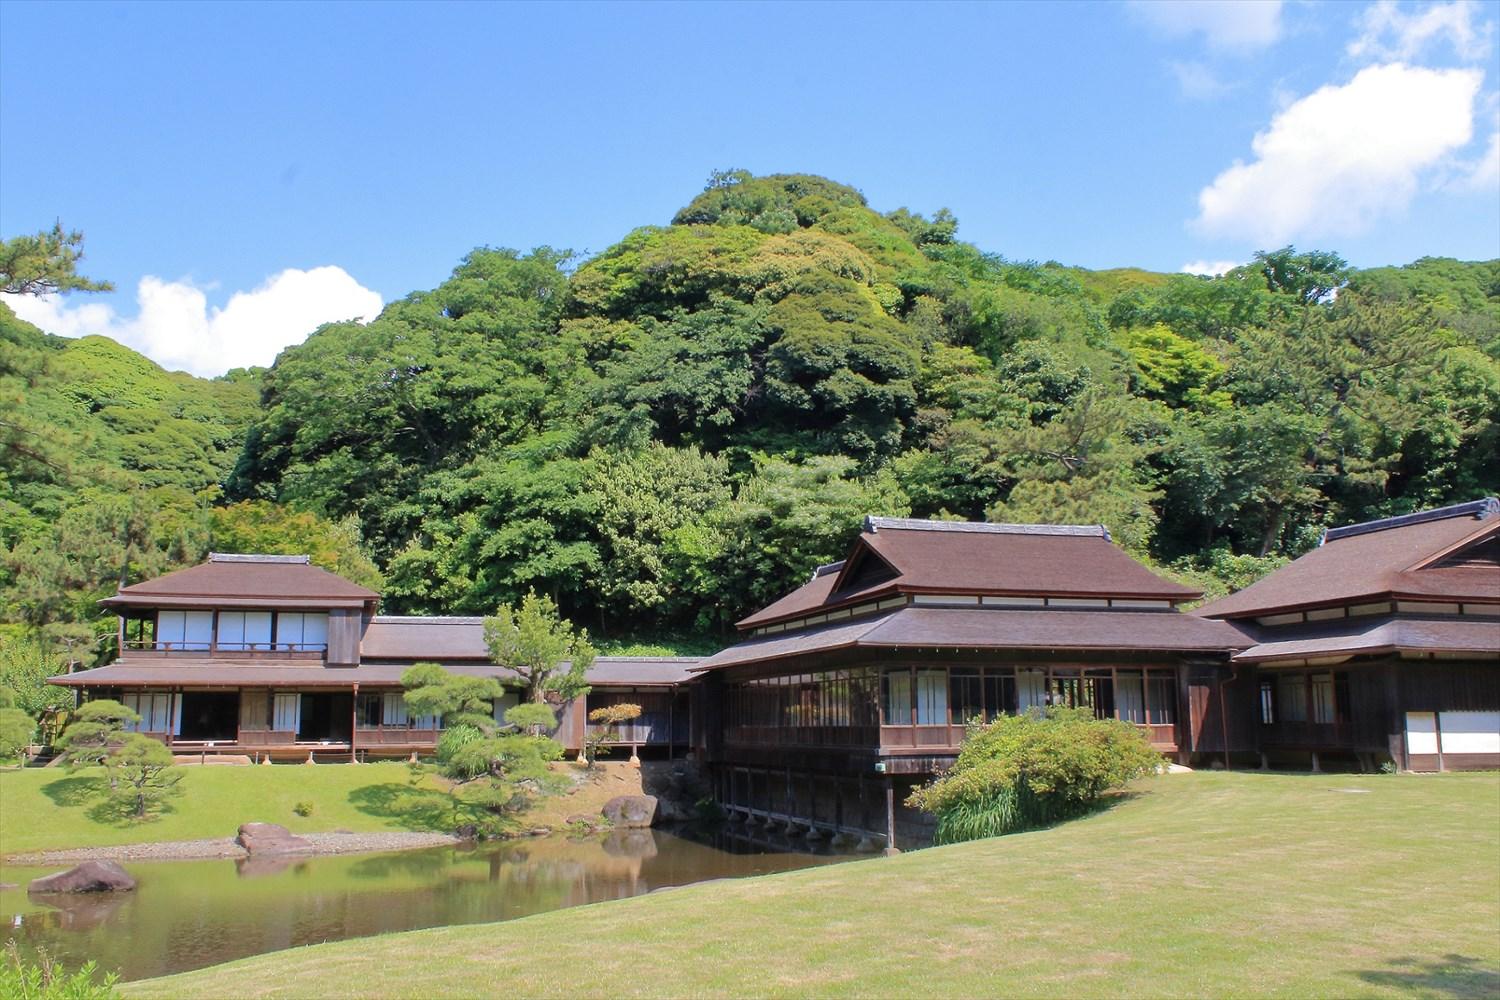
{"points": [[189, 914]]}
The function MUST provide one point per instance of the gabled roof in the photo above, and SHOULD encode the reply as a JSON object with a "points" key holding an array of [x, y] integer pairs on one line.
{"points": [[235, 580], [1419, 556], [975, 558], [1162, 630]]}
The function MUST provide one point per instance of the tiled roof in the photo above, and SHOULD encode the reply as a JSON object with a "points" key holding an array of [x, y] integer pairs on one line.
{"points": [[1379, 559], [977, 558], [996, 628], [247, 580], [1375, 635], [172, 671]]}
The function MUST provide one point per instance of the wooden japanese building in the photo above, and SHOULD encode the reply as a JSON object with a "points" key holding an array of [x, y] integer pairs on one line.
{"points": [[855, 686], [271, 656], [1382, 644]]}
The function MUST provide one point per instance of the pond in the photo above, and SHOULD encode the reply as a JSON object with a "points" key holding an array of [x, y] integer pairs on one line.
{"points": [[189, 914]]}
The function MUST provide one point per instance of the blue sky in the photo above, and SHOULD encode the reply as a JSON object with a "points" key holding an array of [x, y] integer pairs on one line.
{"points": [[243, 172]]}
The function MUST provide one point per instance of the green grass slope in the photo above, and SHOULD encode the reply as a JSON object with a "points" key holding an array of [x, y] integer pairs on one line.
{"points": [[1196, 885]]}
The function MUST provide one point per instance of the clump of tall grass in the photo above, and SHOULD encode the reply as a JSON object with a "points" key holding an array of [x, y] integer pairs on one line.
{"points": [[1028, 771]]}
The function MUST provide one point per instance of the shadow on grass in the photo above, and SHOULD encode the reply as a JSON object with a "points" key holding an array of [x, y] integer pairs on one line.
{"points": [[426, 810], [103, 807], [75, 791], [1450, 976]]}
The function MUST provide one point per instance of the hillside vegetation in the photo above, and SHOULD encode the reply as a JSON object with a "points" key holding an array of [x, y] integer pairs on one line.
{"points": [[672, 433]]}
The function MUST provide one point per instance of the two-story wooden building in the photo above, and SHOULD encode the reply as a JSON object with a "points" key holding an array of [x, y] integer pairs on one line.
{"points": [[858, 684], [273, 657], [1382, 644]]}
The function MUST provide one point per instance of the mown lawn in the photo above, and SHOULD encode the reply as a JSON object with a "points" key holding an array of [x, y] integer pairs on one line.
{"points": [[50, 808], [1196, 885]]}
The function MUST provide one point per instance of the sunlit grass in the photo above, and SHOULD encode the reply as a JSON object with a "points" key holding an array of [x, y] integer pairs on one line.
{"points": [[1198, 885]]}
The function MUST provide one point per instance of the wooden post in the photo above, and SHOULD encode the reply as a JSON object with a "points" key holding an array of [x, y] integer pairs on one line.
{"points": [[213, 636], [119, 642], [890, 816], [353, 723], [1437, 736]]}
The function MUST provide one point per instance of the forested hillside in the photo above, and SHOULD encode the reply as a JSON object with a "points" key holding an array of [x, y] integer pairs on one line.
{"points": [[670, 434]]}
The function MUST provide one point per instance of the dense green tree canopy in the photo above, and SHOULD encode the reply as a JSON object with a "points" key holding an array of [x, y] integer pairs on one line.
{"points": [[667, 435]]}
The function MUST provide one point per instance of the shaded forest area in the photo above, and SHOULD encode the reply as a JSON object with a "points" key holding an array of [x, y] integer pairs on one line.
{"points": [[667, 435]]}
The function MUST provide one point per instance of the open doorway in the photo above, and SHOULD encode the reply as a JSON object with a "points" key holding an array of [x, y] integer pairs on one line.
{"points": [[210, 715], [326, 718]]}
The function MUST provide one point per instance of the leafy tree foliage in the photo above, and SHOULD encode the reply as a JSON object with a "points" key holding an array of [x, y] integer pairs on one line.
{"points": [[544, 651], [45, 263], [680, 428]]}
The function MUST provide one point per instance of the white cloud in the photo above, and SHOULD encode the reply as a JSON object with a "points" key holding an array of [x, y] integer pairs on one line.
{"points": [[1484, 173], [1224, 24], [177, 328], [1211, 268], [1389, 33], [1343, 156], [1197, 81]]}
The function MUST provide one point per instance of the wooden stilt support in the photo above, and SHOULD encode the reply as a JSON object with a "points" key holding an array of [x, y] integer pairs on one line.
{"points": [[890, 817]]}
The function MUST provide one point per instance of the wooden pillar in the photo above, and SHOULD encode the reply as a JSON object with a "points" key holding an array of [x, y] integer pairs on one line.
{"points": [[354, 724], [671, 729], [1437, 736], [890, 816], [213, 635], [119, 642]]}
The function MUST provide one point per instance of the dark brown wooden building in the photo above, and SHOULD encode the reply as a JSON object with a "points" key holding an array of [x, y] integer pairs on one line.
{"points": [[1382, 644], [273, 657], [858, 684]]}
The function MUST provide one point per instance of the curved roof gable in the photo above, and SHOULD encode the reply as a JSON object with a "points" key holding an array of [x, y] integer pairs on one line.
{"points": [[1444, 554], [962, 557]]}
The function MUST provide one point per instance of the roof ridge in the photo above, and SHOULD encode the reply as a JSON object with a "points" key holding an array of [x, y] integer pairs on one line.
{"points": [[257, 557], [875, 524], [427, 619], [1478, 509]]}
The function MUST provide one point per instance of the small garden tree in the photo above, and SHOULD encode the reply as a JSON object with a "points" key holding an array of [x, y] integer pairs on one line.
{"points": [[16, 727], [140, 769], [95, 727], [492, 770], [535, 642], [598, 739], [143, 774], [1025, 771]]}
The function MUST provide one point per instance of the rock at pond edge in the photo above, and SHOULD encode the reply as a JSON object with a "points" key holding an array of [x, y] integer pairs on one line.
{"points": [[91, 876]]}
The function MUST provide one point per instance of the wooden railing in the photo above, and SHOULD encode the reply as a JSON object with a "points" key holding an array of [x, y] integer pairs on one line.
{"points": [[394, 735], [238, 650]]}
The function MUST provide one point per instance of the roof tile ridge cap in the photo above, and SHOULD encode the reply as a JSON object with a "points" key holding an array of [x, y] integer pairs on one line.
{"points": [[269, 558], [873, 524], [1481, 509]]}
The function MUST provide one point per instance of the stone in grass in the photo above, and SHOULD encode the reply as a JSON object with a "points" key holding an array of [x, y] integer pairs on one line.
{"points": [[271, 838], [91, 876], [630, 812]]}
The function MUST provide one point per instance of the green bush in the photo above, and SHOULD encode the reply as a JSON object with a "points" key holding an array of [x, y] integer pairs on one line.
{"points": [[1025, 771], [46, 980], [303, 808]]}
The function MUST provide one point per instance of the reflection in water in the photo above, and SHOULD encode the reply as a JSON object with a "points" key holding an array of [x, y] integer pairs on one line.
{"points": [[189, 914]]}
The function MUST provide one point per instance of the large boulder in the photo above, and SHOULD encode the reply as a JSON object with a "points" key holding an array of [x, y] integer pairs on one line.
{"points": [[271, 838], [630, 812], [91, 876]]}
